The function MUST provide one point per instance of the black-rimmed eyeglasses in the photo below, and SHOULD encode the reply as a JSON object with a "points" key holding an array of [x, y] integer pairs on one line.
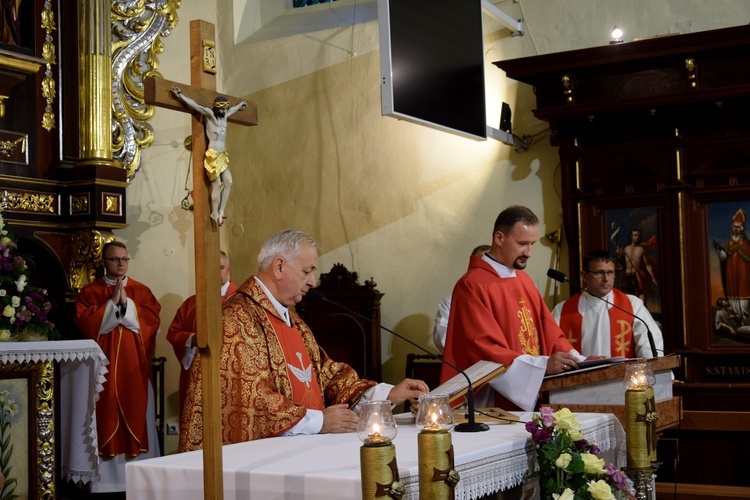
{"points": [[601, 273], [117, 259]]}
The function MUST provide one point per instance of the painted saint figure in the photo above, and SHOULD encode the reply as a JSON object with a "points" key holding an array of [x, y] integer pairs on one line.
{"points": [[735, 267], [640, 267], [216, 160]]}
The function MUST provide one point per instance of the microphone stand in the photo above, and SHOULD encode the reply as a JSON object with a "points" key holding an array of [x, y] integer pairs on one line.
{"points": [[471, 425], [561, 277]]}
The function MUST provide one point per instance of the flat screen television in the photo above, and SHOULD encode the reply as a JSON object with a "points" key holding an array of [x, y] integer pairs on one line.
{"points": [[432, 64]]}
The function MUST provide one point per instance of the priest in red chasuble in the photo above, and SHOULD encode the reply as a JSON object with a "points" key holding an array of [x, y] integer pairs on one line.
{"points": [[122, 316], [275, 379], [596, 327], [181, 333], [497, 314]]}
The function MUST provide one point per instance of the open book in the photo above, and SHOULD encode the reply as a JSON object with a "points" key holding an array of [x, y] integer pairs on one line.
{"points": [[584, 366], [480, 373]]}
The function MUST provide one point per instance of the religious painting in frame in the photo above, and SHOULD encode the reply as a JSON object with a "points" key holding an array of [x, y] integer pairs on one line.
{"points": [[27, 468], [633, 238], [729, 271]]}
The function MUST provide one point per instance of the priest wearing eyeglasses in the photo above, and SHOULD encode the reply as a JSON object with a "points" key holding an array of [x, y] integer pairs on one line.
{"points": [[122, 316], [596, 328]]}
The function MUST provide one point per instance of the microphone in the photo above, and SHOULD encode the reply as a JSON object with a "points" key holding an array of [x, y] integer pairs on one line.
{"points": [[470, 425], [560, 276]]}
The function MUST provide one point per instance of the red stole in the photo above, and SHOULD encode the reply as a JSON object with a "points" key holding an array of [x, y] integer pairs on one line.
{"points": [[620, 324], [304, 381]]}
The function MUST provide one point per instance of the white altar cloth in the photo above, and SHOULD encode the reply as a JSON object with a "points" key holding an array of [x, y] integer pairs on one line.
{"points": [[82, 374], [326, 466]]}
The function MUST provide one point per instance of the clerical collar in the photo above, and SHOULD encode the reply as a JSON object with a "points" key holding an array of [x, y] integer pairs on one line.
{"points": [[280, 308], [112, 282], [224, 288], [502, 270], [606, 300]]}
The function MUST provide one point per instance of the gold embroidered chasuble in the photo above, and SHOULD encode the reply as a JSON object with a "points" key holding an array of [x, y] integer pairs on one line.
{"points": [[256, 391]]}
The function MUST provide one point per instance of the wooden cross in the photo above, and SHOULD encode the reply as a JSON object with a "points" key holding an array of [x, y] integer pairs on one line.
{"points": [[158, 92]]}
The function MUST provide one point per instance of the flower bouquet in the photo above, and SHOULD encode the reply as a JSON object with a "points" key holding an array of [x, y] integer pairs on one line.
{"points": [[569, 466], [23, 307]]}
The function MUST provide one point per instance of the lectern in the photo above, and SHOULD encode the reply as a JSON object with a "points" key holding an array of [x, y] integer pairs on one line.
{"points": [[600, 390]]}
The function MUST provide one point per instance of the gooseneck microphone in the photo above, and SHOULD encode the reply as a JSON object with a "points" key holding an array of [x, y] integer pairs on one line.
{"points": [[560, 276], [471, 425]]}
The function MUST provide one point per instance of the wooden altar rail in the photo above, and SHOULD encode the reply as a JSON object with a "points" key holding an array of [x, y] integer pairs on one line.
{"points": [[670, 412], [738, 421], [686, 491]]}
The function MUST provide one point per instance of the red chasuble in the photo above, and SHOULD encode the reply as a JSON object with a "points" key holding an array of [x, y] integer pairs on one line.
{"points": [[182, 327], [620, 324], [121, 409], [257, 397], [497, 319], [305, 389]]}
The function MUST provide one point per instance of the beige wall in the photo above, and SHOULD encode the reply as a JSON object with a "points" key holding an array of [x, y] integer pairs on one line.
{"points": [[391, 200]]}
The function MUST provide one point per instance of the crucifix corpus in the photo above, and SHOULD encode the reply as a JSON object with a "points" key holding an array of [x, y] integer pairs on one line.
{"points": [[209, 201]]}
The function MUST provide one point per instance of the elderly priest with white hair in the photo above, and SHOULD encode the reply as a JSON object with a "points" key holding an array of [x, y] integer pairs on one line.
{"points": [[275, 379]]}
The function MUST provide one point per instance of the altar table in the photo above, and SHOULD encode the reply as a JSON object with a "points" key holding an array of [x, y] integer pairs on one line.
{"points": [[82, 368], [326, 466]]}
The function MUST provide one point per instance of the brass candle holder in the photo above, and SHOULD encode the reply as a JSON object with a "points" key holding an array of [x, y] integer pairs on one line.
{"points": [[640, 427], [437, 475], [377, 456]]}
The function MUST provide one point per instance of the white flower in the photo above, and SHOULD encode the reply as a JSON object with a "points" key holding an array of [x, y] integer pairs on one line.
{"points": [[12, 407], [9, 312], [21, 283], [4, 334], [15, 301], [566, 495], [3, 293]]}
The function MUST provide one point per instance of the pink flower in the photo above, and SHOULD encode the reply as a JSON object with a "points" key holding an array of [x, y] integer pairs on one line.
{"points": [[548, 416]]}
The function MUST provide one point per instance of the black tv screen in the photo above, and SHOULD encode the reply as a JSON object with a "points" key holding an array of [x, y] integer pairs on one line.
{"points": [[432, 63]]}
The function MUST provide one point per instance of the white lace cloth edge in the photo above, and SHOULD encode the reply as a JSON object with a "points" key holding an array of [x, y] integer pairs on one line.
{"points": [[68, 351]]}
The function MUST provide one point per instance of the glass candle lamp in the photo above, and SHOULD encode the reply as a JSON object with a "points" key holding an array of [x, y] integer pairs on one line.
{"points": [[376, 424], [435, 414], [437, 476]]}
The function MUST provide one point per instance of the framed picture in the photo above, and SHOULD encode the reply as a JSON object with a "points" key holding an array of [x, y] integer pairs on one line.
{"points": [[729, 270], [633, 236], [27, 462]]}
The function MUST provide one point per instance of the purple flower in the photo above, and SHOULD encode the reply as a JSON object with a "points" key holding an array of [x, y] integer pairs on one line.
{"points": [[582, 445], [594, 449], [541, 435], [616, 476], [531, 426]]}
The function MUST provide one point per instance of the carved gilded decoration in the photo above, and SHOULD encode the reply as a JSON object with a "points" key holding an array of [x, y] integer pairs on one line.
{"points": [[42, 402], [79, 204], [691, 72], [111, 204], [86, 255], [13, 150], [31, 201], [48, 53], [137, 28]]}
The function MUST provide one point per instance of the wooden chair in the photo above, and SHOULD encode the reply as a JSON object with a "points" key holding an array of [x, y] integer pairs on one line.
{"points": [[157, 373], [345, 336]]}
